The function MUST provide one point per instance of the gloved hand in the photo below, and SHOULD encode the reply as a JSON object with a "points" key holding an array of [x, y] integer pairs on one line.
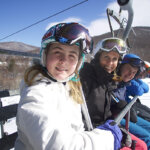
{"points": [[111, 126]]}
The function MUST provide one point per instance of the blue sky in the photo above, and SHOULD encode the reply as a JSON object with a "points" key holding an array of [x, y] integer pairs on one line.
{"points": [[18, 14]]}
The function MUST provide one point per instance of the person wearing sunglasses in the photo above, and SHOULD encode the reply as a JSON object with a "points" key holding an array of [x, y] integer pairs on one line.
{"points": [[129, 70], [99, 79], [51, 106]]}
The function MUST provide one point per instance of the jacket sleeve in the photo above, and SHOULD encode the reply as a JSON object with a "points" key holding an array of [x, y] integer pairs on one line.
{"points": [[144, 86], [43, 129], [137, 87]]}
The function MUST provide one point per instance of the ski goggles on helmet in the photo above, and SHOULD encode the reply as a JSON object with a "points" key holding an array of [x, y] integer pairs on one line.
{"points": [[69, 33], [110, 44]]}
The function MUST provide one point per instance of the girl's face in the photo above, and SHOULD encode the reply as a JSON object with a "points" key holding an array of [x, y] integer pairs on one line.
{"points": [[62, 60], [109, 60], [128, 72]]}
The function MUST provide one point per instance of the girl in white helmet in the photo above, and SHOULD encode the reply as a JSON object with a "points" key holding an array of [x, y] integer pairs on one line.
{"points": [[49, 113]]}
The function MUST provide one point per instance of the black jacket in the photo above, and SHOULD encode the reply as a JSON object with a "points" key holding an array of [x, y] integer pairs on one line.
{"points": [[97, 86], [142, 110]]}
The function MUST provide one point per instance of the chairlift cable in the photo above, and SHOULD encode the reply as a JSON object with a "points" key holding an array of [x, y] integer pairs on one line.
{"points": [[44, 19]]}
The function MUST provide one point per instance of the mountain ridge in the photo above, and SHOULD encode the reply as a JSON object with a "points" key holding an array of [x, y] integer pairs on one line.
{"points": [[138, 41], [18, 46]]}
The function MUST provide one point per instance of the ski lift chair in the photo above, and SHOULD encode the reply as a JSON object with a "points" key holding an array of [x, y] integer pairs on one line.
{"points": [[7, 141]]}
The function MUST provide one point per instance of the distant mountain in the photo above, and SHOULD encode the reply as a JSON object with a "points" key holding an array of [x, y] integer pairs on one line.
{"points": [[139, 41], [12, 67], [18, 46]]}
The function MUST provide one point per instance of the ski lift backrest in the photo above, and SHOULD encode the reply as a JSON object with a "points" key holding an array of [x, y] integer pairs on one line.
{"points": [[7, 141]]}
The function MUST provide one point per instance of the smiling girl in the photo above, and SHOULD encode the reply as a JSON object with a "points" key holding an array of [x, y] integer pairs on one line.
{"points": [[49, 114]]}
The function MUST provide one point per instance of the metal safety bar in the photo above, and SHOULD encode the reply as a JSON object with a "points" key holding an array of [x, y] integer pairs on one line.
{"points": [[125, 111]]}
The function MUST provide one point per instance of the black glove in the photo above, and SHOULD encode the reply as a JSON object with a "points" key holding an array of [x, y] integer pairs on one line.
{"points": [[126, 139], [133, 115]]}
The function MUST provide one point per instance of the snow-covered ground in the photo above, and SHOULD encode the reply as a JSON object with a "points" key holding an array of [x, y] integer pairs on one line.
{"points": [[145, 98], [10, 126]]}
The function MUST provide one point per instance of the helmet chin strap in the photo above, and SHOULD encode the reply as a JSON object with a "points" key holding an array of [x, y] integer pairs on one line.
{"points": [[75, 78], [61, 81]]}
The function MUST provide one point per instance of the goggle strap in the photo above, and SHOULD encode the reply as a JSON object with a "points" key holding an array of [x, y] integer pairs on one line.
{"points": [[82, 42], [77, 39]]}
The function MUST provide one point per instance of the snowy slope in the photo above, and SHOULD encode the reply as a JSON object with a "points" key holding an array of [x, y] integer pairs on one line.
{"points": [[145, 98]]}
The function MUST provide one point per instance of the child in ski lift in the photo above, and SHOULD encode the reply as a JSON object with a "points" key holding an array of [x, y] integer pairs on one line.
{"points": [[129, 70], [97, 78], [139, 87], [49, 113]]}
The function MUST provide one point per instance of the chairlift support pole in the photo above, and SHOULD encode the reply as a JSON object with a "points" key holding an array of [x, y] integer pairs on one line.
{"points": [[127, 5], [108, 15], [129, 24], [124, 5]]}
